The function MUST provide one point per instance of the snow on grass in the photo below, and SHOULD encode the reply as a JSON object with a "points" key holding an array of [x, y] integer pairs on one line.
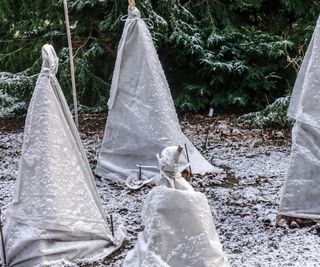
{"points": [[244, 197]]}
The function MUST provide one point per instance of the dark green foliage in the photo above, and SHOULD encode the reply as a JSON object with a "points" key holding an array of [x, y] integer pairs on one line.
{"points": [[14, 88], [273, 116], [237, 69], [34, 23], [226, 53]]}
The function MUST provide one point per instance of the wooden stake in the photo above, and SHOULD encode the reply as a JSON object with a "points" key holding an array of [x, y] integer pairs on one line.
{"points": [[72, 72], [2, 244], [140, 172], [185, 146], [207, 135], [111, 222], [208, 129]]}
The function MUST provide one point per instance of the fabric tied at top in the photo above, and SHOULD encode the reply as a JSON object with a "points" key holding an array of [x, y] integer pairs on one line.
{"points": [[133, 15], [170, 175], [56, 214], [142, 120], [178, 226]]}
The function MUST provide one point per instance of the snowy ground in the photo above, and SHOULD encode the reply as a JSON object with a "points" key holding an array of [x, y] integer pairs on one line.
{"points": [[244, 197]]}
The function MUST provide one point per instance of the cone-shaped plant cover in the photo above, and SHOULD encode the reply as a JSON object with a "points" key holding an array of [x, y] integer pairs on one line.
{"points": [[56, 212], [300, 195], [142, 120], [178, 226]]}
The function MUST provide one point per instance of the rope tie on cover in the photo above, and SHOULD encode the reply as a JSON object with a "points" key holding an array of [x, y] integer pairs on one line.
{"points": [[132, 20], [48, 71], [134, 14]]}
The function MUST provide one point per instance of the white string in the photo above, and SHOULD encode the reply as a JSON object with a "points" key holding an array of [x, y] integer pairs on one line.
{"points": [[125, 18], [49, 70]]}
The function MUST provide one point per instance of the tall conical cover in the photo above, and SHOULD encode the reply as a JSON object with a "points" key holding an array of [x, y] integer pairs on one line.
{"points": [[142, 120], [56, 212], [300, 195]]}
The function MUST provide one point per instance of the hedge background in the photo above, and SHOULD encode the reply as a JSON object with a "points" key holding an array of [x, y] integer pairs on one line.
{"points": [[231, 54]]}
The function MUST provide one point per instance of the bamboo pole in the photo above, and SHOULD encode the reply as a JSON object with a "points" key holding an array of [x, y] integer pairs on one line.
{"points": [[73, 79], [131, 4]]}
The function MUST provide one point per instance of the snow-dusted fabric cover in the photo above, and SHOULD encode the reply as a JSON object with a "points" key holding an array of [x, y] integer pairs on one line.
{"points": [[301, 191], [179, 229], [56, 212], [142, 120], [170, 175]]}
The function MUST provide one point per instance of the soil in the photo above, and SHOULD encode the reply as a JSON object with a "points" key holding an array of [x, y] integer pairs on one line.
{"points": [[244, 197]]}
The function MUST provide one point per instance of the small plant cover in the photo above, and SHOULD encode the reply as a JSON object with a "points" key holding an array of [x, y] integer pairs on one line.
{"points": [[178, 226]]}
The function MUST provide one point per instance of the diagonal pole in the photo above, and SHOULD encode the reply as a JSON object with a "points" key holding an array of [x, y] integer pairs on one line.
{"points": [[188, 159], [3, 244], [73, 79]]}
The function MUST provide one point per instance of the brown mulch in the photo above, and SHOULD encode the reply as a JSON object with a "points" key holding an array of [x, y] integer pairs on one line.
{"points": [[90, 124], [12, 124], [93, 124]]}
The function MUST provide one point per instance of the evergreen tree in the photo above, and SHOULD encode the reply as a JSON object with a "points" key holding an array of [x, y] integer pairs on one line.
{"points": [[227, 53]]}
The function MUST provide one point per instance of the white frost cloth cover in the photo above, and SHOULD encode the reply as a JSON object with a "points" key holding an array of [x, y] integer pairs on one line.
{"points": [[301, 191], [56, 212], [179, 229], [142, 120]]}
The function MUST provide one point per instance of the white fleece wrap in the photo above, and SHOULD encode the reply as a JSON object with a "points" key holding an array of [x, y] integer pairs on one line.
{"points": [[56, 213]]}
